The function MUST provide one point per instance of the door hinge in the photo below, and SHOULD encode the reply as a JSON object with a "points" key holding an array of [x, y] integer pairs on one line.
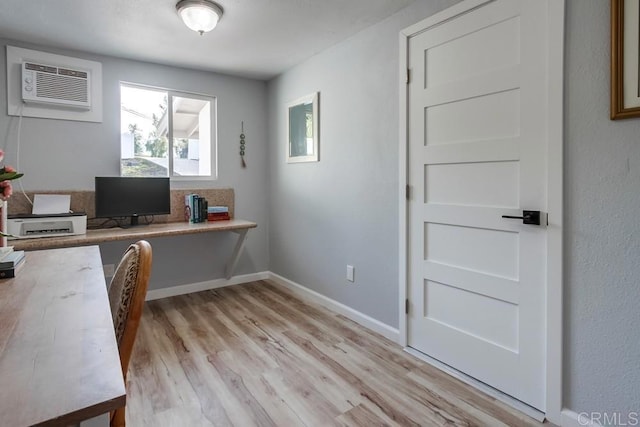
{"points": [[408, 76], [406, 306], [407, 192]]}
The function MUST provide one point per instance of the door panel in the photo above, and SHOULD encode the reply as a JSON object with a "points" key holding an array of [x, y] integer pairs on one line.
{"points": [[487, 183], [489, 116], [456, 308], [495, 47], [457, 246], [477, 151]]}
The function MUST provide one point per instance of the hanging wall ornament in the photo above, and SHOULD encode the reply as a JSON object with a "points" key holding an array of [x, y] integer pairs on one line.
{"points": [[244, 164]]}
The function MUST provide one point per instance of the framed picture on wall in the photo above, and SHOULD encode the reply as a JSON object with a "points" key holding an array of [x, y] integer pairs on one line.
{"points": [[303, 124], [625, 59]]}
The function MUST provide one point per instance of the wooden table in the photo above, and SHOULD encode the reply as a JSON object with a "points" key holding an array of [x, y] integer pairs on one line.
{"points": [[59, 361], [238, 226]]}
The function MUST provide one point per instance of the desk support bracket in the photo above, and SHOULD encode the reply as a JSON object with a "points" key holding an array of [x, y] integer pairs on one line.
{"points": [[235, 256]]}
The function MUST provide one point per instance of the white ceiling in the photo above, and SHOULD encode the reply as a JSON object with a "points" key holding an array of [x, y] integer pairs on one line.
{"points": [[255, 38]]}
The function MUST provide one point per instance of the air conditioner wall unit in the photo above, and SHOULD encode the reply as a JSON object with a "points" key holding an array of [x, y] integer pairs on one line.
{"points": [[60, 99], [65, 87]]}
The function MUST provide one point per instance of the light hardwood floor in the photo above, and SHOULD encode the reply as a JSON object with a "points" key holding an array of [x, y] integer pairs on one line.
{"points": [[256, 355]]}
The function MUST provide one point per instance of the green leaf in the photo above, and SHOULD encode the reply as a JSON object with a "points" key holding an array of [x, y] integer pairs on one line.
{"points": [[8, 176]]}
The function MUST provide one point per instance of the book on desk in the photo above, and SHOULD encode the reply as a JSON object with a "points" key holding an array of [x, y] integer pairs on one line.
{"points": [[197, 210], [11, 263]]}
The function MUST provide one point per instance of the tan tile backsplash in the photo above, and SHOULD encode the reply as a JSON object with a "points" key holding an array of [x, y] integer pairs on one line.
{"points": [[84, 201]]}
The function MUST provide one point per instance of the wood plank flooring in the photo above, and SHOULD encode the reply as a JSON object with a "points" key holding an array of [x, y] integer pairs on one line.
{"points": [[256, 355]]}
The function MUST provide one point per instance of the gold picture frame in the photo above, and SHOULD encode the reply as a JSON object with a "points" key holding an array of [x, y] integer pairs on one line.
{"points": [[625, 59]]}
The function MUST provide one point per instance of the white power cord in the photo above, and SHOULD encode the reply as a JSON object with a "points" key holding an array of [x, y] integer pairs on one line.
{"points": [[18, 141]]}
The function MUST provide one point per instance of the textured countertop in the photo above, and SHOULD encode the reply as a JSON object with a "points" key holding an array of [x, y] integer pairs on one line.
{"points": [[134, 233]]}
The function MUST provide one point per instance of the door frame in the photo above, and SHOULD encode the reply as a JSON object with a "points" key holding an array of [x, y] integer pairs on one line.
{"points": [[555, 118]]}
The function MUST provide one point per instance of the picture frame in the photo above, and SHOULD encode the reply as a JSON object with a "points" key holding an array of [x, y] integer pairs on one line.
{"points": [[303, 129], [625, 59]]}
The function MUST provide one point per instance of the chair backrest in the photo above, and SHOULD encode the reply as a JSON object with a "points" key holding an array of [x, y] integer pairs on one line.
{"points": [[127, 292]]}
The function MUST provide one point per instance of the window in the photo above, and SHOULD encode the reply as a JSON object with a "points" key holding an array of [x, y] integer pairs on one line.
{"points": [[166, 133]]}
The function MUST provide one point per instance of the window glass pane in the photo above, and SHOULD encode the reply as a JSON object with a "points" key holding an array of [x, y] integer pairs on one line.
{"points": [[301, 130], [166, 133], [192, 136], [143, 132]]}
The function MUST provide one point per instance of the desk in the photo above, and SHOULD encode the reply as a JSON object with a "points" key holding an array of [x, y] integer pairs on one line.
{"points": [[59, 361], [238, 226]]}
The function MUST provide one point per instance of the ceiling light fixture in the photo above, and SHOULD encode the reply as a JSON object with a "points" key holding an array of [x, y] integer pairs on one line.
{"points": [[199, 15]]}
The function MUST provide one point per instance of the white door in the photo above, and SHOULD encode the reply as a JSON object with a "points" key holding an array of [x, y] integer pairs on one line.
{"points": [[477, 151]]}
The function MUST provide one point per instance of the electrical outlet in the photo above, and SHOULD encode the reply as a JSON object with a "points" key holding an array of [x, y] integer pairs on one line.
{"points": [[109, 270], [350, 273]]}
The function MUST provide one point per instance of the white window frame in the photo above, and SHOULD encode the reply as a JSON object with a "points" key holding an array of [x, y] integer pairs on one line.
{"points": [[171, 93]]}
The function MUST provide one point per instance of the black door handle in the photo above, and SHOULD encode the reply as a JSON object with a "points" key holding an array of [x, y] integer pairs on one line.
{"points": [[528, 217]]}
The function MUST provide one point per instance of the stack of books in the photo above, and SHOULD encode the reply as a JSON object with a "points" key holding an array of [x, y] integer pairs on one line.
{"points": [[195, 208], [10, 262], [218, 213]]}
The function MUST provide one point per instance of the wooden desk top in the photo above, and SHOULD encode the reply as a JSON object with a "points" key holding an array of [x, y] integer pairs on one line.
{"points": [[134, 233], [59, 359]]}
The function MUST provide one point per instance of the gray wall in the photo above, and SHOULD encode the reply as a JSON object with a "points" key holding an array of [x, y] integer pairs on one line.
{"points": [[64, 155], [602, 226], [343, 209]]}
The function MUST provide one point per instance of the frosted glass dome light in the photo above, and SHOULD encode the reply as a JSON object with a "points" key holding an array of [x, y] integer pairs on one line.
{"points": [[199, 15]]}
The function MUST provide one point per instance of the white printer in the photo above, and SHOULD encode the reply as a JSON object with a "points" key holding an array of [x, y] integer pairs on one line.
{"points": [[28, 226]]}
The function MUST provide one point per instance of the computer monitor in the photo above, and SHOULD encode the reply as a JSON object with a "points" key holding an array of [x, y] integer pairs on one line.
{"points": [[132, 197]]}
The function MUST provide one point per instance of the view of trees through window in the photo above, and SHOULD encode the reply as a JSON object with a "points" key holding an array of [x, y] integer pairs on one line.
{"points": [[164, 133]]}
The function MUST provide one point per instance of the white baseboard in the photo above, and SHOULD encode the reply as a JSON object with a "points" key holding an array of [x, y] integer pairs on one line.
{"points": [[204, 286], [358, 317], [573, 419]]}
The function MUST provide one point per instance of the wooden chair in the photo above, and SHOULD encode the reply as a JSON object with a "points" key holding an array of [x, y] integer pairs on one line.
{"points": [[127, 292]]}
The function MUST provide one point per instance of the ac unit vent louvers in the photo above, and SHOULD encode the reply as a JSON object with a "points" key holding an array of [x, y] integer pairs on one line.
{"points": [[61, 87], [55, 86]]}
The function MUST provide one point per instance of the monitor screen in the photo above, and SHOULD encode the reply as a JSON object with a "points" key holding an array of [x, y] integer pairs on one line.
{"points": [[132, 197]]}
